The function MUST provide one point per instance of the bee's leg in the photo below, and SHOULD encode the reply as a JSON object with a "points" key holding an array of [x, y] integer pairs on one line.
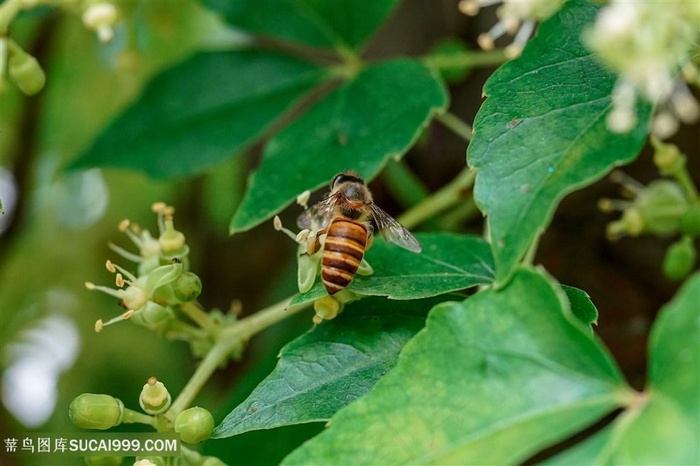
{"points": [[365, 268], [314, 243], [370, 240]]}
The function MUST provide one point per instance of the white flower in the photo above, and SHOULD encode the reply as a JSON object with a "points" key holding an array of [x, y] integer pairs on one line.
{"points": [[516, 17], [649, 44]]}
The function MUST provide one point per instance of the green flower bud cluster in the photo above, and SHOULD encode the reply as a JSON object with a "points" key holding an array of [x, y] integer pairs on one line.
{"points": [[25, 71], [664, 207], [155, 295], [99, 411]]}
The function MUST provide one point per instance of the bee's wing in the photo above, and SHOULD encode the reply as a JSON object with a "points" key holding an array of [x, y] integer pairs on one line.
{"points": [[318, 215], [392, 231]]}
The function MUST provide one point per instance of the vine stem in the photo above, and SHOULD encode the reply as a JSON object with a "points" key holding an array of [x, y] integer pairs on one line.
{"points": [[449, 195], [228, 340]]}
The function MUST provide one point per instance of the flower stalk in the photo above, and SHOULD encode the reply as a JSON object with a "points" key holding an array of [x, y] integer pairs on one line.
{"points": [[228, 340]]}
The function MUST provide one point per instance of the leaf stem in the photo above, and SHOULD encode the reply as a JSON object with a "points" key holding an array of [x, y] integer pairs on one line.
{"points": [[456, 124], [460, 214], [403, 184], [466, 59], [228, 340], [452, 193]]}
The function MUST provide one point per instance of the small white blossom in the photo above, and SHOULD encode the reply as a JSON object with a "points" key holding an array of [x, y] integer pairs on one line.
{"points": [[101, 17], [516, 17], [160, 260], [648, 44]]}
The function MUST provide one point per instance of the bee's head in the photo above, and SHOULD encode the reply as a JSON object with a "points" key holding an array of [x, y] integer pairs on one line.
{"points": [[345, 177], [351, 186]]}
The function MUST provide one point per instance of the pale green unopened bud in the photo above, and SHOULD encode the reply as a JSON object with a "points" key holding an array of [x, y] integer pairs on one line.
{"points": [[194, 425], [26, 71], [680, 259], [96, 411], [667, 157], [154, 398], [661, 205], [187, 287]]}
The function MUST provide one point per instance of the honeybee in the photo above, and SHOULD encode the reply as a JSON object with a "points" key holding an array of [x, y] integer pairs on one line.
{"points": [[349, 218]]}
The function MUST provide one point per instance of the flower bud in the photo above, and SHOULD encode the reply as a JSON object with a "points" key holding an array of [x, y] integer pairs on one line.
{"points": [[661, 205], [95, 411], [194, 425], [689, 222], [26, 71], [667, 157], [154, 397], [680, 258], [187, 287]]}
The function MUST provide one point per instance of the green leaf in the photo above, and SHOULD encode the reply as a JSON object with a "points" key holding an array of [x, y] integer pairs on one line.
{"points": [[541, 133], [448, 262], [341, 24], [202, 111], [674, 351], [370, 119], [507, 367], [581, 305], [662, 426], [330, 366]]}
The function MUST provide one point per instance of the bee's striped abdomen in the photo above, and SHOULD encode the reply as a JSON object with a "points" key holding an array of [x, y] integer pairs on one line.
{"points": [[342, 253]]}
